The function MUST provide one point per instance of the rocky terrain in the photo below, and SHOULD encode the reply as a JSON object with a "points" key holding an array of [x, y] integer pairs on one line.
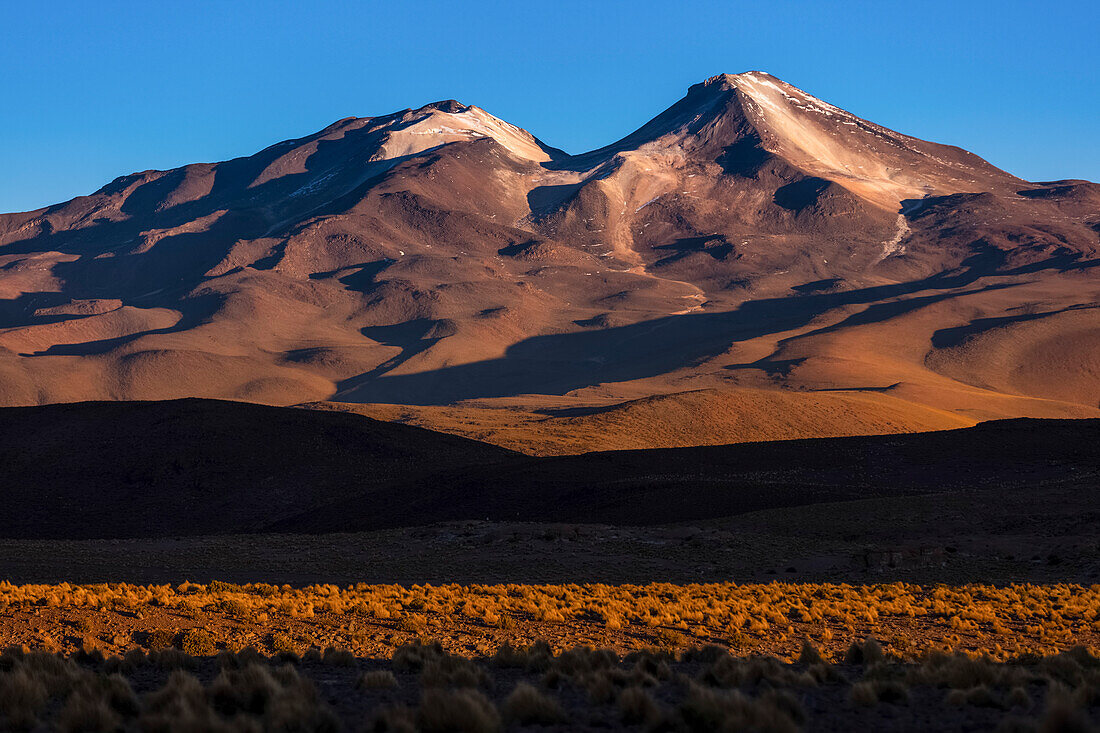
{"points": [[751, 245]]}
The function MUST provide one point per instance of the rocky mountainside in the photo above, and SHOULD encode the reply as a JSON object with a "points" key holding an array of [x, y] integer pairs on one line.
{"points": [[750, 237]]}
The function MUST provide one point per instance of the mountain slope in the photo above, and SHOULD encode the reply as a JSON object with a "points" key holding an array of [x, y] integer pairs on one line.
{"points": [[679, 419], [751, 237]]}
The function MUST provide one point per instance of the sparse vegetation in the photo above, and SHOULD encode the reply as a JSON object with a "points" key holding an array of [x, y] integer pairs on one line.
{"points": [[696, 657], [896, 619], [422, 687], [377, 679], [198, 643], [529, 706]]}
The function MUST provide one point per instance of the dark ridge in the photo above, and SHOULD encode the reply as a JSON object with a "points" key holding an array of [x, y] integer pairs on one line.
{"points": [[195, 467]]}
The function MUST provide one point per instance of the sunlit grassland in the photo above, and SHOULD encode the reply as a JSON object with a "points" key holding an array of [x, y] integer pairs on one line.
{"points": [[908, 620]]}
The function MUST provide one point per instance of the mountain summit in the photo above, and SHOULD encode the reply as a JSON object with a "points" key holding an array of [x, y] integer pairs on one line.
{"points": [[751, 236]]}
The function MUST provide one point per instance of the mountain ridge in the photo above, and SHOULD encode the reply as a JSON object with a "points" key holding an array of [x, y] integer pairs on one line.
{"points": [[208, 467], [749, 237]]}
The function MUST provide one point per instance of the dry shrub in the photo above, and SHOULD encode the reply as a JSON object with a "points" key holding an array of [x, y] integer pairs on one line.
{"points": [[198, 643], [809, 655], [159, 639], [650, 666], [456, 711], [338, 657], [393, 719], [22, 698], [582, 659], [875, 691], [282, 643], [600, 686], [960, 672], [980, 696], [128, 663], [869, 652], [413, 657], [88, 715], [179, 706], [249, 655], [170, 658], [451, 671], [413, 624], [863, 693], [785, 702], [509, 657], [536, 658], [637, 707], [706, 655], [278, 699], [1063, 714], [1018, 698], [376, 679], [526, 705], [56, 674], [669, 638], [249, 690], [236, 607], [98, 703], [706, 709], [750, 614], [734, 672]]}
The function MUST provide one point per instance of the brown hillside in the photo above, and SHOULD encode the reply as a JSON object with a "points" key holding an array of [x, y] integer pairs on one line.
{"points": [[750, 240]]}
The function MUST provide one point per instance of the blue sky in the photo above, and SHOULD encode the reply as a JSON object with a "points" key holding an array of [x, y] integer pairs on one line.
{"points": [[91, 91]]}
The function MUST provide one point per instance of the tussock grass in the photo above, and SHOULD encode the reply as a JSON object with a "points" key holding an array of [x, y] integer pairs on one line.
{"points": [[526, 705], [457, 711], [775, 617], [422, 687], [377, 679], [223, 657]]}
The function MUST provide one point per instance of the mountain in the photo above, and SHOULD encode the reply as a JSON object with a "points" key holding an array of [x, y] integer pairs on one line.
{"points": [[749, 239], [204, 467]]}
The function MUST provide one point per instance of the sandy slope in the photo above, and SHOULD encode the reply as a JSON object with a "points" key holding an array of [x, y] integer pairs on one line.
{"points": [[808, 271], [701, 417]]}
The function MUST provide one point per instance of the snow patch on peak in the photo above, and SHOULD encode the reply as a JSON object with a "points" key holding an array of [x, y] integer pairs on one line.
{"points": [[447, 122], [772, 92]]}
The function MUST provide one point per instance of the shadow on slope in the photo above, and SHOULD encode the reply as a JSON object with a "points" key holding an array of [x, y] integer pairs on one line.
{"points": [[560, 363], [194, 467], [660, 486]]}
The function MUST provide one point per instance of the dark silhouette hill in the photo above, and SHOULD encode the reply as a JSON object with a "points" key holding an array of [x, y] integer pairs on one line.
{"points": [[186, 467], [195, 467]]}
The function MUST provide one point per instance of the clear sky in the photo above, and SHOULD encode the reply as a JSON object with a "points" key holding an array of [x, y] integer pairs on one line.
{"points": [[93, 90]]}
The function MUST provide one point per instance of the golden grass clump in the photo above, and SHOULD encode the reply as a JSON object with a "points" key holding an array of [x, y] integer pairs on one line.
{"points": [[198, 643], [773, 618]]}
